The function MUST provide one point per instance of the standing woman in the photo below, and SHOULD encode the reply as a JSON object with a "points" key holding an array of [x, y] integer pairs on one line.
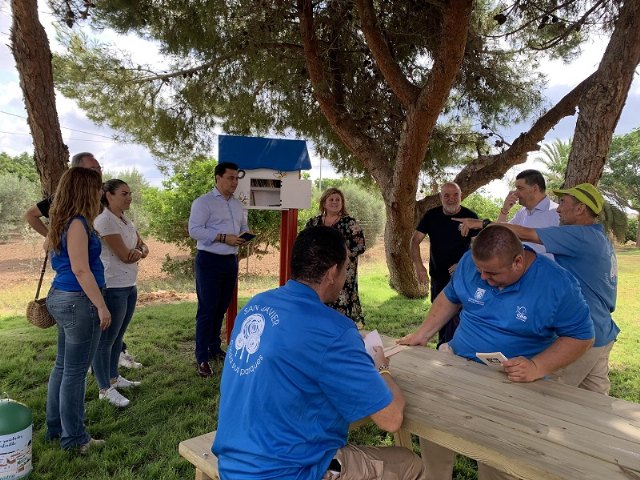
{"points": [[333, 213], [122, 248], [76, 302]]}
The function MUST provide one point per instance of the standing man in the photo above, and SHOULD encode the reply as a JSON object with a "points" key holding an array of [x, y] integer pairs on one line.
{"points": [[217, 219], [33, 216], [581, 246], [538, 212], [297, 374], [446, 246], [515, 302]]}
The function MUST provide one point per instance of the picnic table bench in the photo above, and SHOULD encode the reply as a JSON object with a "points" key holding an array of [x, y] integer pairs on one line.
{"points": [[535, 431]]}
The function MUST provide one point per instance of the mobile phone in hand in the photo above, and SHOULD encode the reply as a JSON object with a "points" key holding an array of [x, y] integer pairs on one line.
{"points": [[247, 236]]}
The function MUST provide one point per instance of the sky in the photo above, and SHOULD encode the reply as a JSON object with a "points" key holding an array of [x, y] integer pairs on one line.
{"points": [[80, 134]]}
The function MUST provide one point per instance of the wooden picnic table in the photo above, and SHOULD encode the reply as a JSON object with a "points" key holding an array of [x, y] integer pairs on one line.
{"points": [[539, 430]]}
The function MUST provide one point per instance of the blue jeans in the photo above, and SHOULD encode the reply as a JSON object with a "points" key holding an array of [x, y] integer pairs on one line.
{"points": [[216, 277], [78, 336], [121, 303]]}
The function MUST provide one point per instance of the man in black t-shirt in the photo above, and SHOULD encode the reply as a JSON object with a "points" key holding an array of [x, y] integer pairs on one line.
{"points": [[41, 209], [446, 246]]}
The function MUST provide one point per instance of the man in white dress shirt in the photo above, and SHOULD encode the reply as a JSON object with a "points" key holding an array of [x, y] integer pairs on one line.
{"points": [[538, 212]]}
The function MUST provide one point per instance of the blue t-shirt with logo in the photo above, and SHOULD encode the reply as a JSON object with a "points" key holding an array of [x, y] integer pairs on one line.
{"points": [[524, 318], [587, 253], [296, 375]]}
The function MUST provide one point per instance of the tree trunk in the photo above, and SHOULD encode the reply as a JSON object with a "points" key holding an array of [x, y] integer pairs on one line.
{"points": [[399, 228], [30, 48], [601, 106]]}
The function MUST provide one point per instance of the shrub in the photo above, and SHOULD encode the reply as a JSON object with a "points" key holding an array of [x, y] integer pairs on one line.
{"points": [[485, 205], [16, 194]]}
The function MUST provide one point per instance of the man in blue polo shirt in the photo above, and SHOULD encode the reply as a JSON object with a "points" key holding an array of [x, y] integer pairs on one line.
{"points": [[297, 374], [515, 302], [580, 245]]}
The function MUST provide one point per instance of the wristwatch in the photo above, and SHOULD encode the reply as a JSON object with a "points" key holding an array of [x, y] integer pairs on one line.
{"points": [[485, 223]]}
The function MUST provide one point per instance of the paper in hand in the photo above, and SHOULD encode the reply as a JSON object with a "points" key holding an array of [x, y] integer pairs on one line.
{"points": [[372, 339], [393, 349], [493, 359]]}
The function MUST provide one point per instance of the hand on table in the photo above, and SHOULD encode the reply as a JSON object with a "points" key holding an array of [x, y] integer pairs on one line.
{"points": [[521, 369], [413, 339]]}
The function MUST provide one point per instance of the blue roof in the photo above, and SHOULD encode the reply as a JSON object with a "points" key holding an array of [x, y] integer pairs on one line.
{"points": [[251, 153]]}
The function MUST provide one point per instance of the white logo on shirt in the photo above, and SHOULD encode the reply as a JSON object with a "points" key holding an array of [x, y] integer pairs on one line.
{"points": [[479, 293], [521, 313], [249, 337]]}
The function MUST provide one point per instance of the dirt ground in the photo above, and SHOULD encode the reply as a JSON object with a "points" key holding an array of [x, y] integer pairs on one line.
{"points": [[21, 260]]}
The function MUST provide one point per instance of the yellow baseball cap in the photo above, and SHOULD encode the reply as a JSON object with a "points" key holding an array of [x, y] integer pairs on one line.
{"points": [[585, 193]]}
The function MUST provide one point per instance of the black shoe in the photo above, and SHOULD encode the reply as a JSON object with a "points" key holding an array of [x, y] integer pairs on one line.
{"points": [[218, 355], [204, 369]]}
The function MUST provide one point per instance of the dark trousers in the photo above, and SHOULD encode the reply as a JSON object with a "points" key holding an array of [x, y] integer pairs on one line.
{"points": [[216, 277], [445, 334]]}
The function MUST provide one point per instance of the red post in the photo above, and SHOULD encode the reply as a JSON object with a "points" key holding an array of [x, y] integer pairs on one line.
{"points": [[232, 311], [288, 233]]}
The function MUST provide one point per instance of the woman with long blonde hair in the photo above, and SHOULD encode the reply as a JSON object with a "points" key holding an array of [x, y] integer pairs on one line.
{"points": [[76, 302]]}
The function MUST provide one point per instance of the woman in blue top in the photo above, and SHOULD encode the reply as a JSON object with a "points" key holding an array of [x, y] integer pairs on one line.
{"points": [[76, 302]]}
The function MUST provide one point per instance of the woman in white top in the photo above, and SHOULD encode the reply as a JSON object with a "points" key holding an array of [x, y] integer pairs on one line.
{"points": [[122, 248]]}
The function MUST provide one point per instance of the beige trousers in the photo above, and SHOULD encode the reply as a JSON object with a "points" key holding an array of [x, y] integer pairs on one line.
{"points": [[377, 463], [590, 371]]}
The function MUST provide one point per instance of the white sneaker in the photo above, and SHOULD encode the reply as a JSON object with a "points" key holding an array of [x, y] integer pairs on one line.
{"points": [[114, 397], [122, 382], [126, 360]]}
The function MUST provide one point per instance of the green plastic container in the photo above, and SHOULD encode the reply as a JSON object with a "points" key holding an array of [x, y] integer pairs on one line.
{"points": [[16, 424]]}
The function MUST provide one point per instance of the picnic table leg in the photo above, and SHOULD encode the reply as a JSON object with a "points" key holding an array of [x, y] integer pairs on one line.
{"points": [[402, 438], [200, 475]]}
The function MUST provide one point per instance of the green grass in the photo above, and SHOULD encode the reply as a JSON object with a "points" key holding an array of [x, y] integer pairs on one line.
{"points": [[173, 403]]}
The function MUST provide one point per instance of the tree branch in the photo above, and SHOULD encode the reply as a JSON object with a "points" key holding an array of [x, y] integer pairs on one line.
{"points": [[490, 167], [423, 114], [406, 91], [340, 120]]}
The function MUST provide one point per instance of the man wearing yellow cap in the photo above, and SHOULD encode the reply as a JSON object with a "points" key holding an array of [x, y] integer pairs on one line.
{"points": [[581, 246]]}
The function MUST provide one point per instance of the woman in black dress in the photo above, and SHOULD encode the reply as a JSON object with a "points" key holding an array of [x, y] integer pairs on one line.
{"points": [[333, 213]]}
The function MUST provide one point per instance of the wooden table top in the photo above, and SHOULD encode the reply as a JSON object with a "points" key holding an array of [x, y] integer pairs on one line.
{"points": [[540, 430]]}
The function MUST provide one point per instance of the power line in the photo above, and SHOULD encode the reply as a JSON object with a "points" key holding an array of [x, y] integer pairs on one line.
{"points": [[61, 126]]}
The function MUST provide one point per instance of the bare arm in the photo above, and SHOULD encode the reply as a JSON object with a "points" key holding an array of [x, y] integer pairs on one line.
{"points": [[77, 243], [525, 234], [421, 271], [560, 353], [33, 217], [390, 417], [441, 312], [510, 200], [117, 246], [144, 249]]}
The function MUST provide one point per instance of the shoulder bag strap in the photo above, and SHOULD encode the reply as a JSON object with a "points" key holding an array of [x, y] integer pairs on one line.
{"points": [[44, 267]]}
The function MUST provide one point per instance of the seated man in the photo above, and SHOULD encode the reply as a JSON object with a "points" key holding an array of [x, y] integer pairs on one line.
{"points": [[297, 374], [580, 245], [515, 302]]}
